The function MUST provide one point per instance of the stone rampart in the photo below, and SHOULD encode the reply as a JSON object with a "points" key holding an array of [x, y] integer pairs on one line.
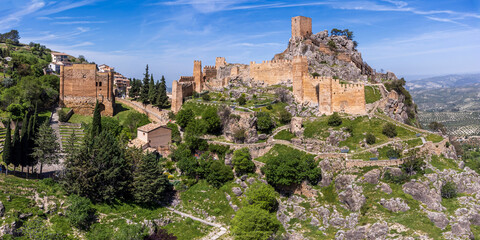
{"points": [[271, 72], [380, 163]]}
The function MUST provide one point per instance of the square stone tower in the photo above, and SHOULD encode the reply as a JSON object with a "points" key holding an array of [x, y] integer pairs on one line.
{"points": [[301, 26]]}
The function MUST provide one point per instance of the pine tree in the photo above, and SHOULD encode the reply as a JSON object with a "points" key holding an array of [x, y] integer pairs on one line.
{"points": [[150, 185], [96, 128], [46, 149], [16, 148], [100, 171], [7, 147], [145, 86], [162, 98], [70, 148], [136, 85], [152, 91]]}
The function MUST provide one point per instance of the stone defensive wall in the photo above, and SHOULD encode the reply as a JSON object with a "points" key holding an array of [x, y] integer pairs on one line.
{"points": [[81, 86], [272, 72], [379, 163], [180, 90], [209, 72], [152, 113]]}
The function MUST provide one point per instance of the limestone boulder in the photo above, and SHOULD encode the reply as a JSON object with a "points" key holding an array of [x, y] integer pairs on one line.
{"points": [[342, 181], [395, 204], [372, 176], [2, 209], [237, 191], [384, 188], [422, 192], [378, 230], [439, 219], [352, 197]]}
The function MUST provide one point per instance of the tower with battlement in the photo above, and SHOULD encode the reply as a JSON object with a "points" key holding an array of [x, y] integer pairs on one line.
{"points": [[301, 27], [220, 62], [197, 75]]}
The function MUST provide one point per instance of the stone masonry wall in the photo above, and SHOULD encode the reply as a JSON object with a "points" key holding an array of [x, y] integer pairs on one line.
{"points": [[272, 72], [81, 85], [301, 26]]}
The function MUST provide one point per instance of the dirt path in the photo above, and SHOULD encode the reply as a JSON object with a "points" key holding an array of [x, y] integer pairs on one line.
{"points": [[214, 234]]}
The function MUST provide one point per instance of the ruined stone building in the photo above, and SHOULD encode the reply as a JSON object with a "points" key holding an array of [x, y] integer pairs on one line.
{"points": [[81, 85], [330, 95]]}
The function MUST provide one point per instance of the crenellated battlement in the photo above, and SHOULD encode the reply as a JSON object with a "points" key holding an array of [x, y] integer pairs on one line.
{"points": [[186, 79], [283, 61], [209, 67]]}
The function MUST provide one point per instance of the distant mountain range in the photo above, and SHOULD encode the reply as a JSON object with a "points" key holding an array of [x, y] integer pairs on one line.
{"points": [[446, 81]]}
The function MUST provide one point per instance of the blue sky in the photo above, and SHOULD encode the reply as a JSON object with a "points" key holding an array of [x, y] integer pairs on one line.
{"points": [[410, 38]]}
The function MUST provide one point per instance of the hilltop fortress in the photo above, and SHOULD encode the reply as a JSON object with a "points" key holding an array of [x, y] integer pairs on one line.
{"points": [[329, 94]]}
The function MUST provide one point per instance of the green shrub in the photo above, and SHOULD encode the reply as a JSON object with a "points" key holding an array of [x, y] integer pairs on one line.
{"points": [[254, 223], [206, 97], [334, 120], [79, 212], [331, 44], [269, 107], [242, 100], [264, 122], [285, 116], [219, 173], [393, 153], [62, 116], [449, 190], [370, 138], [263, 196], [212, 120], [184, 117], [389, 130], [242, 161]]}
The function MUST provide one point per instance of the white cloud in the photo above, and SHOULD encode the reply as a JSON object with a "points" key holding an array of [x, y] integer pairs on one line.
{"points": [[14, 18]]}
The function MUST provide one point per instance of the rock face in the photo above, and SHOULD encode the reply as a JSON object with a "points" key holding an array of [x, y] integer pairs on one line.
{"points": [[422, 192], [372, 176], [439, 219], [395, 205], [352, 198], [377, 231]]}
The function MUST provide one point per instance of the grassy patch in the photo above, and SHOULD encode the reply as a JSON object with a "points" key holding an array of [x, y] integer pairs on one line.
{"points": [[442, 163], [372, 94], [434, 138], [279, 149], [77, 118], [211, 200], [284, 135], [188, 229], [361, 125]]}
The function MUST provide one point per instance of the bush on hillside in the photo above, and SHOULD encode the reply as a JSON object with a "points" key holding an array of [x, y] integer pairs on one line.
{"points": [[449, 190], [389, 130], [370, 139], [79, 212], [242, 162], [334, 120], [264, 122], [254, 223], [263, 196]]}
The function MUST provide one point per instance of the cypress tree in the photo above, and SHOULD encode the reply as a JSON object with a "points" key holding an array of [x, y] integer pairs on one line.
{"points": [[97, 122], [162, 98], [30, 135], [24, 142], [144, 89], [152, 91], [7, 148], [16, 148]]}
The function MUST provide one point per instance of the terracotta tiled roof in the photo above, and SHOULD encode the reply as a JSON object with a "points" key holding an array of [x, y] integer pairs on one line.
{"points": [[137, 143], [149, 127]]}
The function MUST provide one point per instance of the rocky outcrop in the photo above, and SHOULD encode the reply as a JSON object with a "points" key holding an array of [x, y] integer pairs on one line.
{"points": [[439, 219], [422, 192], [372, 176], [395, 204], [385, 188], [2, 209], [352, 197], [378, 231]]}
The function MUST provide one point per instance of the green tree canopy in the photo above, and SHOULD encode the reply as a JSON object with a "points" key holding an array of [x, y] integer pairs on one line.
{"points": [[254, 223], [150, 185], [263, 196], [242, 161], [212, 120]]}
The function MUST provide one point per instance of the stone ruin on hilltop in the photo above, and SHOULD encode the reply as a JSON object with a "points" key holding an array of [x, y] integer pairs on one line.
{"points": [[327, 93]]}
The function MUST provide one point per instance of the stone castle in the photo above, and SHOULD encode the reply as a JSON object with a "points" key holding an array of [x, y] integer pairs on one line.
{"points": [[330, 95], [81, 85]]}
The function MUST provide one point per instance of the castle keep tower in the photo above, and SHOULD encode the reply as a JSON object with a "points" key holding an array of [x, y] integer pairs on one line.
{"points": [[300, 69], [81, 86], [301, 26], [197, 75]]}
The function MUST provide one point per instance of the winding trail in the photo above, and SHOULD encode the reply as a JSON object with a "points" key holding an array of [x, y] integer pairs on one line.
{"points": [[214, 234]]}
